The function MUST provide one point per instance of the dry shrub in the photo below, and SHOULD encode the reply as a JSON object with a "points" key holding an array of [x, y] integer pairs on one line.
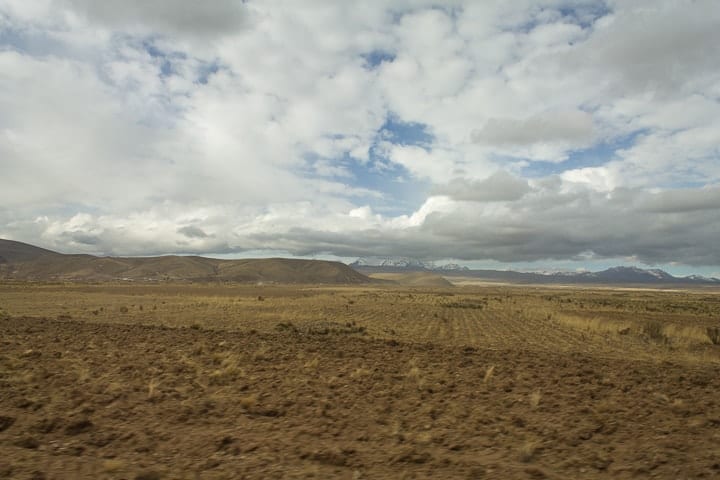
{"points": [[249, 401], [225, 375], [713, 334], [654, 331], [595, 324], [686, 333], [312, 364]]}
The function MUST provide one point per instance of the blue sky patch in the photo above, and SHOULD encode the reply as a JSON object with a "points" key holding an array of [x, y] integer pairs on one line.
{"points": [[206, 71], [582, 15], [165, 59], [377, 57], [595, 156], [399, 132], [586, 15], [402, 193]]}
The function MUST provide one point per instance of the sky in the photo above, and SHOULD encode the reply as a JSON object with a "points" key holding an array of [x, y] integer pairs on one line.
{"points": [[526, 134]]}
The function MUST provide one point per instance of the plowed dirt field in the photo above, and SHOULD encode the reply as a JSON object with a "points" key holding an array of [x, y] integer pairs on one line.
{"points": [[237, 382]]}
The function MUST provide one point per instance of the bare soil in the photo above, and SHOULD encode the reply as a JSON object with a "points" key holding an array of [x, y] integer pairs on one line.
{"points": [[89, 399]]}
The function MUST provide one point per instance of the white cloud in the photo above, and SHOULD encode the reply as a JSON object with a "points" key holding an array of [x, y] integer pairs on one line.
{"points": [[500, 186], [436, 164], [167, 16], [571, 126], [148, 127]]}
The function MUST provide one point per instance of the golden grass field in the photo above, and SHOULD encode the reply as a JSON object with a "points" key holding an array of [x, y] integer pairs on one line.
{"points": [[146, 381]]}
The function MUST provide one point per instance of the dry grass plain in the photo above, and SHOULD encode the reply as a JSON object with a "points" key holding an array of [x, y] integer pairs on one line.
{"points": [[179, 381]]}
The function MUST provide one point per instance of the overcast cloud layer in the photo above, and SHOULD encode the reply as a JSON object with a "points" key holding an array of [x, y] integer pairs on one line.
{"points": [[525, 131]]}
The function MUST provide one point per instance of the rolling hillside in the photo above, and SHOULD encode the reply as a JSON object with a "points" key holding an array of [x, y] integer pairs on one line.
{"points": [[20, 261]]}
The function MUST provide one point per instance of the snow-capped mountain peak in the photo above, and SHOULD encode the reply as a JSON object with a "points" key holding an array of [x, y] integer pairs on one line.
{"points": [[405, 263]]}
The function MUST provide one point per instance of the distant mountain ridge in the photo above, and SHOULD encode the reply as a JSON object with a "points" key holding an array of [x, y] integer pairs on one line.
{"points": [[21, 261], [614, 275], [405, 263]]}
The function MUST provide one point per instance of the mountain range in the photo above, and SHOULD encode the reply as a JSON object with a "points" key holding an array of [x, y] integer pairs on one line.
{"points": [[20, 261], [406, 263], [614, 275]]}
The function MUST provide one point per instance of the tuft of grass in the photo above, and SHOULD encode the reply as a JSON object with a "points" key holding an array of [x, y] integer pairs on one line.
{"points": [[114, 388], [360, 373], [261, 354], [112, 465], [229, 370], [534, 398], [248, 402], [414, 373], [527, 452], [654, 331], [312, 364], [424, 438], [83, 374], [687, 334], [593, 325], [153, 385], [489, 374]]}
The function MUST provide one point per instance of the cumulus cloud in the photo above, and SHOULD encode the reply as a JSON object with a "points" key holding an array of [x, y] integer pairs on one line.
{"points": [[549, 128], [168, 16], [574, 127], [192, 231], [682, 201], [500, 186]]}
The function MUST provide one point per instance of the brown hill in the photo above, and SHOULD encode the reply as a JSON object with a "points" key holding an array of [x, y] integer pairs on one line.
{"points": [[12, 252], [20, 261]]}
